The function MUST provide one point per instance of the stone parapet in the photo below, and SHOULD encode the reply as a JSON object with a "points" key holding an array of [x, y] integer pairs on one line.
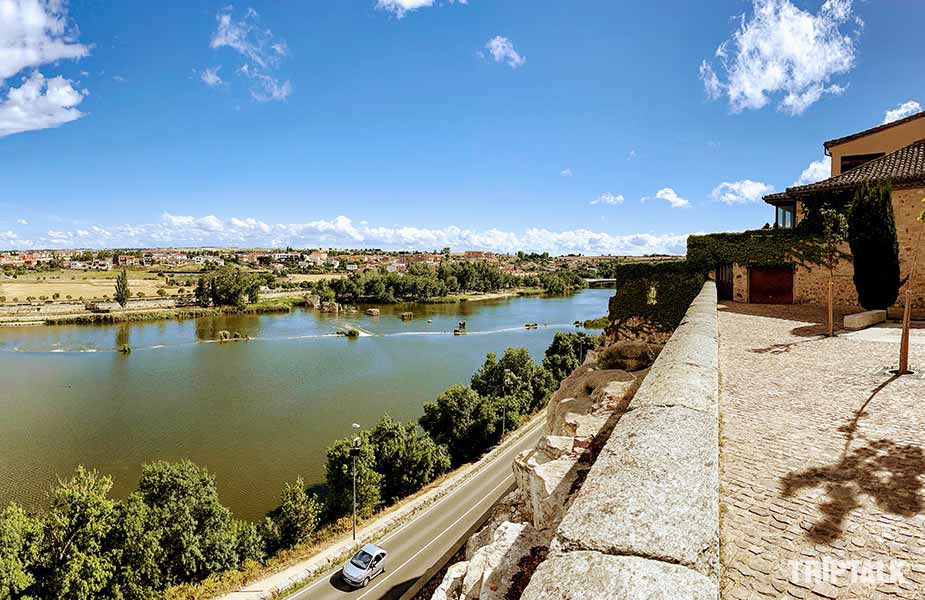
{"points": [[645, 523]]}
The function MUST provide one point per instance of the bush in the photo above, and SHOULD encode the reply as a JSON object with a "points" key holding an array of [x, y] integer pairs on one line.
{"points": [[872, 237], [296, 519]]}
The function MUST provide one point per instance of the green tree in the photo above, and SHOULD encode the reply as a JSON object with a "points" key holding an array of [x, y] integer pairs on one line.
{"points": [[203, 297], [249, 544], [834, 234], [566, 352], [514, 375], [20, 544], [135, 550], [406, 459], [872, 237], [297, 517], [339, 478], [197, 535], [75, 564], [463, 421], [122, 293]]}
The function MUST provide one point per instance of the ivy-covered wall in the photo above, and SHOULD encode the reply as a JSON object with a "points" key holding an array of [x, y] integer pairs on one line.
{"points": [[652, 297], [759, 248]]}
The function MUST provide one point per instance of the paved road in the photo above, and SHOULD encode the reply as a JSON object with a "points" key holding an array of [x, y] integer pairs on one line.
{"points": [[419, 544]]}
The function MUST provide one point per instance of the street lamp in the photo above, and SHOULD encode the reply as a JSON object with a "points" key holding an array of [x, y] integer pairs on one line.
{"points": [[504, 403], [354, 452]]}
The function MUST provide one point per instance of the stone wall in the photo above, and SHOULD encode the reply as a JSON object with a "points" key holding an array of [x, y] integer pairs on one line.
{"points": [[810, 285], [645, 522]]}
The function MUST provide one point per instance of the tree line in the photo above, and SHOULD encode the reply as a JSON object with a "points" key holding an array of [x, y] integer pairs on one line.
{"points": [[173, 530]]}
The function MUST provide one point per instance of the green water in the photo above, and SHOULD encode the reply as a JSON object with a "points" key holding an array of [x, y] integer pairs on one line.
{"points": [[256, 413]]}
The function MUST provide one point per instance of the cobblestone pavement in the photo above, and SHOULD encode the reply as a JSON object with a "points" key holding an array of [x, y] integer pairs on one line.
{"points": [[821, 460]]}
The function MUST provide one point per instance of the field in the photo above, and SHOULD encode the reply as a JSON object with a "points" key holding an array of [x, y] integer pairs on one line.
{"points": [[76, 284], [312, 278]]}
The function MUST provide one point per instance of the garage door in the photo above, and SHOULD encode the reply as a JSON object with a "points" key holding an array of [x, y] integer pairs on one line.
{"points": [[770, 285]]}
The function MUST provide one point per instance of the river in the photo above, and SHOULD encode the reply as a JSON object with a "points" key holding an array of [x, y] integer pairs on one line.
{"points": [[256, 413]]}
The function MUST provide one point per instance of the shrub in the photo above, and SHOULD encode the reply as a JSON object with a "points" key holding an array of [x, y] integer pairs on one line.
{"points": [[872, 237]]}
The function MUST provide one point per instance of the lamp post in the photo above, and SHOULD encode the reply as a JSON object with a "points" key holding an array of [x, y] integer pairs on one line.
{"points": [[354, 452], [504, 403]]}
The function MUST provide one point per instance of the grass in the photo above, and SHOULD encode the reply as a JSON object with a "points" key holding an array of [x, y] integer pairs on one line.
{"points": [[274, 305], [128, 317]]}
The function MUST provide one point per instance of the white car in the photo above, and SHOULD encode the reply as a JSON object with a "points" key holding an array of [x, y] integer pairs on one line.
{"points": [[368, 563]]}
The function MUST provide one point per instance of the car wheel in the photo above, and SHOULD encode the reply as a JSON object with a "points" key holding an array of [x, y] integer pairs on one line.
{"points": [[366, 582]]}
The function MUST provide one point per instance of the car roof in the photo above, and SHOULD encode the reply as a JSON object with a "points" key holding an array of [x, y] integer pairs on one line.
{"points": [[372, 549]]}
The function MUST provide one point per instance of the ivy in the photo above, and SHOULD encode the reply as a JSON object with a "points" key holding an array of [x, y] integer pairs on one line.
{"points": [[653, 295], [759, 248]]}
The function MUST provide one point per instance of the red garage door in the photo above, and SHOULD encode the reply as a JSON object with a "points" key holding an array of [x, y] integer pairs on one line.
{"points": [[770, 285]]}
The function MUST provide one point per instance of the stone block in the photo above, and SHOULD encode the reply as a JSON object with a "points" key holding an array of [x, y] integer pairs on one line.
{"points": [[595, 576], [653, 491], [864, 319]]}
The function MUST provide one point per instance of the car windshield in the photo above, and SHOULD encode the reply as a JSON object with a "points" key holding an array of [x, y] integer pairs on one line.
{"points": [[362, 559]]}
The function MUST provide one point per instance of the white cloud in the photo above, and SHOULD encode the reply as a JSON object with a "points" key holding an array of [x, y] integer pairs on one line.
{"points": [[209, 230], [22, 221], [608, 198], [782, 49], [502, 50], [261, 50], [907, 108], [35, 33], [741, 192], [400, 7], [631, 155], [670, 196], [210, 76], [816, 171], [39, 104], [567, 172]]}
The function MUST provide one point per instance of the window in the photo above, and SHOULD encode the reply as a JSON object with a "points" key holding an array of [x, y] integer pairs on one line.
{"points": [[786, 216], [856, 160]]}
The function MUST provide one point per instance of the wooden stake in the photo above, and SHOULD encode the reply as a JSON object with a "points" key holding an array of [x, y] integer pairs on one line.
{"points": [[904, 343]]}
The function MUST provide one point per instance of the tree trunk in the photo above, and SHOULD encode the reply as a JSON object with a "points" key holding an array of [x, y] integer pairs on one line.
{"points": [[831, 320], [904, 343]]}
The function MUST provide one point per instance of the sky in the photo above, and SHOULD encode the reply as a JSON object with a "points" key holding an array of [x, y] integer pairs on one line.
{"points": [[593, 127]]}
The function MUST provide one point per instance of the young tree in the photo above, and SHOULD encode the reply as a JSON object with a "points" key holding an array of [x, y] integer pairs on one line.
{"points": [[406, 459], [298, 515], [122, 293], [339, 478], [834, 233], [872, 237], [907, 310]]}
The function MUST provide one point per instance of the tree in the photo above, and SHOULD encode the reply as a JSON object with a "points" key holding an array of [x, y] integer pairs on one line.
{"points": [[339, 478], [463, 421], [80, 516], [297, 517], [834, 232], [566, 353], [20, 544], [523, 378], [203, 298], [907, 309], [135, 550], [122, 293], [197, 534], [872, 237], [406, 459]]}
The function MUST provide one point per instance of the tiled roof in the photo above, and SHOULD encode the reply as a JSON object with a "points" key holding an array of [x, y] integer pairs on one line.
{"points": [[859, 134], [777, 198], [903, 168]]}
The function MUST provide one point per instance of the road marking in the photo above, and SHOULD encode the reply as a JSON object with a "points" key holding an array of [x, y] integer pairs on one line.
{"points": [[325, 578], [507, 481]]}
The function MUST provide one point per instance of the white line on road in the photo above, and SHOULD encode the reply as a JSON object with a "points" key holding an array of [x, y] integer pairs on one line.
{"points": [[438, 503], [507, 481]]}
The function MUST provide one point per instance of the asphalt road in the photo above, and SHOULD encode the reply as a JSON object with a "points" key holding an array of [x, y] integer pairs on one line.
{"points": [[421, 543]]}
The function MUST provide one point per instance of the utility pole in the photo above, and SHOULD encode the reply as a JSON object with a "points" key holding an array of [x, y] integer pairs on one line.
{"points": [[354, 452]]}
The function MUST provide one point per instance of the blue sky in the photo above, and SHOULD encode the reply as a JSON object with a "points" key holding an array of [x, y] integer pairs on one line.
{"points": [[590, 127]]}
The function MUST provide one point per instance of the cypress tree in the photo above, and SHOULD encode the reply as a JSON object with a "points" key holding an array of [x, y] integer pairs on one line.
{"points": [[872, 237], [122, 293]]}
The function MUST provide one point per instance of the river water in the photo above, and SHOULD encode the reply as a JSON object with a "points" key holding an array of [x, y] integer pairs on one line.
{"points": [[256, 413]]}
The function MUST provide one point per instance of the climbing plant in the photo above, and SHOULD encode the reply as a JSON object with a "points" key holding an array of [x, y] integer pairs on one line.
{"points": [[653, 295], [759, 248]]}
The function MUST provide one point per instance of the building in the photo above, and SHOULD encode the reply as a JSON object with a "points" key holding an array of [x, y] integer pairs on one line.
{"points": [[894, 153], [127, 260]]}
